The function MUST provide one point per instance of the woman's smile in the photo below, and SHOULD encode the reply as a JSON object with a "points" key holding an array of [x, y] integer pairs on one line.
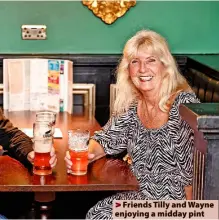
{"points": [[145, 78]]}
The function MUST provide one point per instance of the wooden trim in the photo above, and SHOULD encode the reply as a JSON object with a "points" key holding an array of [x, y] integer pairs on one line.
{"points": [[85, 59], [77, 59], [203, 68], [85, 93], [86, 88], [112, 97], [1, 88]]}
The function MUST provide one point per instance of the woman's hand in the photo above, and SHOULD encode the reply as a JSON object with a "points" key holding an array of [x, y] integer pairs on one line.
{"points": [[188, 192], [69, 162], [127, 159], [53, 160]]}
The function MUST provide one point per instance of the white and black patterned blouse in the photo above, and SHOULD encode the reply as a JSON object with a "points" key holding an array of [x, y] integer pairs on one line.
{"points": [[161, 158]]}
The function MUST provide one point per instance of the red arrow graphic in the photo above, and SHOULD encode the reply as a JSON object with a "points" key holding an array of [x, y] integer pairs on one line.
{"points": [[118, 204]]}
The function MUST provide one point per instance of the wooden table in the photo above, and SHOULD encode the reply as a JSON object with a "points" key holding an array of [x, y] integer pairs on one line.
{"points": [[103, 174]]}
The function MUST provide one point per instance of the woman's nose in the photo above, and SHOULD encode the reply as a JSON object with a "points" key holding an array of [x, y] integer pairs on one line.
{"points": [[143, 67]]}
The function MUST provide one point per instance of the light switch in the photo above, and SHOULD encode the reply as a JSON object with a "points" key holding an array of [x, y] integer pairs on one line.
{"points": [[33, 32]]}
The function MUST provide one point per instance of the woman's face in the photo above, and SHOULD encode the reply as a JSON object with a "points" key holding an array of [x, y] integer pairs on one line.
{"points": [[146, 72]]}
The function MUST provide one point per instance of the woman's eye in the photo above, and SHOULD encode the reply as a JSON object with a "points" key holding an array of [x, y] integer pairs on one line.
{"points": [[151, 60], [134, 61]]}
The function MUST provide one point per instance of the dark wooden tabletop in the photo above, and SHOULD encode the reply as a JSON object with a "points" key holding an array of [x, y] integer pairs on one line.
{"points": [[103, 174]]}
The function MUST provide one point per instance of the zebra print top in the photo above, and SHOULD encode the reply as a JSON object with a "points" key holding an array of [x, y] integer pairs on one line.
{"points": [[161, 158]]}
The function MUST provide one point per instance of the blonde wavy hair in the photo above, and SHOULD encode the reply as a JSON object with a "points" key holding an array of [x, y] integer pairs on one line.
{"points": [[173, 82]]}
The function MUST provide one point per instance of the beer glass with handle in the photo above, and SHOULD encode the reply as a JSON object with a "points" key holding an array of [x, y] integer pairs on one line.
{"points": [[42, 132], [44, 116], [78, 149]]}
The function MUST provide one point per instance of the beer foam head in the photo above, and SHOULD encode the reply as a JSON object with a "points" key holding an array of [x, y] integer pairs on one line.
{"points": [[42, 147], [78, 139]]}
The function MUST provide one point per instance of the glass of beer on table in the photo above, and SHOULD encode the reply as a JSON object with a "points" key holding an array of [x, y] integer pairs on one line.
{"points": [[78, 149], [43, 143]]}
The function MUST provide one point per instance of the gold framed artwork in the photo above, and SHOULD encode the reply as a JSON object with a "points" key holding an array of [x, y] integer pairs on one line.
{"points": [[109, 10]]}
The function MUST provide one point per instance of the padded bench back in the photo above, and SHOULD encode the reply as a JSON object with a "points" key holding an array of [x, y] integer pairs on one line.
{"points": [[205, 87]]}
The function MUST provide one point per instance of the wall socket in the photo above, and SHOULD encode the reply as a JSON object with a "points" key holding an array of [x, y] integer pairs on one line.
{"points": [[33, 32]]}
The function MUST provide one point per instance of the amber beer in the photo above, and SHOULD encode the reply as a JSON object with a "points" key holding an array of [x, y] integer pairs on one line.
{"points": [[78, 150], [42, 149], [80, 161]]}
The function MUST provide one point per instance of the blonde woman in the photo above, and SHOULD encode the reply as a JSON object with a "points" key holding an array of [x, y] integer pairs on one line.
{"points": [[146, 123]]}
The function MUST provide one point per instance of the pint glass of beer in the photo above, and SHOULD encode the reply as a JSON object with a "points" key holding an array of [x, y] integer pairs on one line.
{"points": [[47, 116], [78, 149], [42, 148]]}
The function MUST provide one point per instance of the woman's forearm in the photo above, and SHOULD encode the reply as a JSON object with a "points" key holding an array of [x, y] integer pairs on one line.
{"points": [[96, 149]]}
